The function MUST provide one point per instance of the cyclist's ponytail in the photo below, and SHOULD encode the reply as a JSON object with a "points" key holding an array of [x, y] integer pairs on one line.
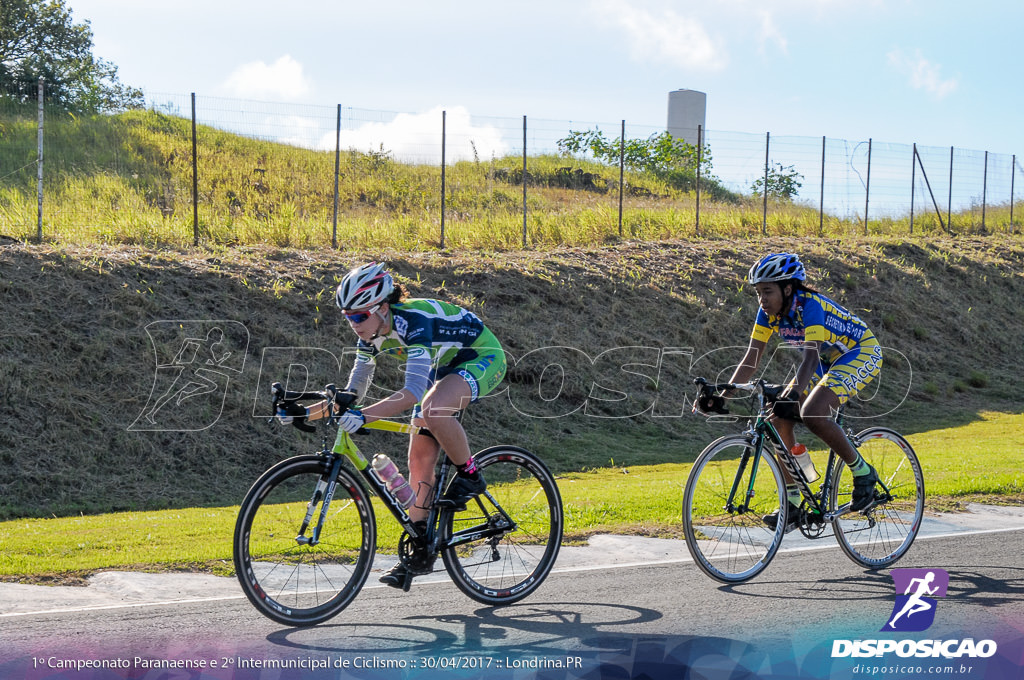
{"points": [[802, 286], [396, 295], [797, 286]]}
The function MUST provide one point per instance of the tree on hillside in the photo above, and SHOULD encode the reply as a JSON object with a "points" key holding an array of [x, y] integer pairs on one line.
{"points": [[39, 38], [783, 182]]}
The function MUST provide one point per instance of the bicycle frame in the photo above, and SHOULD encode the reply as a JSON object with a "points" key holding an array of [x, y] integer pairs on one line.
{"points": [[760, 430], [345, 447], [734, 527]]}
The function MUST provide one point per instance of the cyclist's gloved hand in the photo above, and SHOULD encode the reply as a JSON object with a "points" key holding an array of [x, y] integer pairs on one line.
{"points": [[351, 420], [288, 412], [786, 408], [711, 403]]}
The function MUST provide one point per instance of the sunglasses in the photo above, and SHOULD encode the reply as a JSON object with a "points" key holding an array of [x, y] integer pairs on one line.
{"points": [[361, 316]]}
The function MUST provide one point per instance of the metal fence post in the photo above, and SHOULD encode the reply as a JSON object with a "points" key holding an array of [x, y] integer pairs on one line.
{"points": [[444, 124], [867, 190], [913, 178], [984, 192], [764, 189], [39, 166], [949, 204], [1013, 177], [195, 178], [821, 198], [622, 169], [524, 181], [337, 166], [700, 151]]}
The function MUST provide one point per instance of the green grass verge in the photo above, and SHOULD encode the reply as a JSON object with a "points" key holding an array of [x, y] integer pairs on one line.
{"points": [[979, 461]]}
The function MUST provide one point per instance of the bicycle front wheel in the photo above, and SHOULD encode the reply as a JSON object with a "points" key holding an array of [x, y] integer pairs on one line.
{"points": [[290, 574], [502, 546], [883, 533], [728, 492]]}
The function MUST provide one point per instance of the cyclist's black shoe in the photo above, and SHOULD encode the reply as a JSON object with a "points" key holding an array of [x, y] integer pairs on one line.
{"points": [[863, 490], [792, 520], [397, 575], [415, 564], [463, 488]]}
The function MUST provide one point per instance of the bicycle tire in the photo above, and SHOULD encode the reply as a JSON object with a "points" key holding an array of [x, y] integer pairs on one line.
{"points": [[732, 545], [880, 536], [300, 584], [506, 566]]}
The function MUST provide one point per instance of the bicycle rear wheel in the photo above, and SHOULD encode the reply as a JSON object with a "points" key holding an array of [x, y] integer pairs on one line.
{"points": [[503, 545], [724, 530], [287, 579], [883, 533]]}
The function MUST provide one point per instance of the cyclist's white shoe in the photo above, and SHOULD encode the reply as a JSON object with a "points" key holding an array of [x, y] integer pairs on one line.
{"points": [[792, 520]]}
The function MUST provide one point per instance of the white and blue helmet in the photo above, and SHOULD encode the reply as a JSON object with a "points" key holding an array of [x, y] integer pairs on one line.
{"points": [[777, 267]]}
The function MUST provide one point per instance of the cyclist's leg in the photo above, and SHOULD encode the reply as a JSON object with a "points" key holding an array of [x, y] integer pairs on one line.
{"points": [[818, 413], [844, 379], [441, 405], [422, 461], [459, 386]]}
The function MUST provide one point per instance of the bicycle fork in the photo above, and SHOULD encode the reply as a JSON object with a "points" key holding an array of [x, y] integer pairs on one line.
{"points": [[322, 496]]}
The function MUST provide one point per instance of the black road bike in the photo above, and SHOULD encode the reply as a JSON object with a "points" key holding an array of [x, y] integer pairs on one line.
{"points": [[306, 532], [736, 481]]}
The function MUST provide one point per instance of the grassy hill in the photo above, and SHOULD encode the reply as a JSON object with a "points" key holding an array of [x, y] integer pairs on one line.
{"points": [[86, 330], [127, 178]]}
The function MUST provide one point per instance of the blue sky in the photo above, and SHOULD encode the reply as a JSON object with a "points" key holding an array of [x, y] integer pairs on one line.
{"points": [[935, 72]]}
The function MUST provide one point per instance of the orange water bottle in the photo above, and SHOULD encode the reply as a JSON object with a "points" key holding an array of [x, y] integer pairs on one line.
{"points": [[803, 459]]}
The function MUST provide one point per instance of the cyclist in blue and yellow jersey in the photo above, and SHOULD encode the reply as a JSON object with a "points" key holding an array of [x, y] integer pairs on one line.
{"points": [[840, 357], [451, 360]]}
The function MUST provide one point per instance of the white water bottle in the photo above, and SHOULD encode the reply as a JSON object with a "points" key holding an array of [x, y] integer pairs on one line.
{"points": [[389, 474], [803, 459]]}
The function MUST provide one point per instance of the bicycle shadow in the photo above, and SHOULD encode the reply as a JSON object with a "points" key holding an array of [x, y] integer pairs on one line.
{"points": [[870, 585], [537, 629], [972, 584]]}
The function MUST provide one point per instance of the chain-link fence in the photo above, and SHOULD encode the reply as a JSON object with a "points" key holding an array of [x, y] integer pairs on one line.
{"points": [[194, 169]]}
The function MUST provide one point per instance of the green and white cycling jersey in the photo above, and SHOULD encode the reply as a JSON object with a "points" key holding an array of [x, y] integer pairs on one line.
{"points": [[433, 338]]}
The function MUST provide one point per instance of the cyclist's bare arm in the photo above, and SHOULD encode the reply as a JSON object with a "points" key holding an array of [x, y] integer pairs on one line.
{"points": [[748, 365], [805, 371]]}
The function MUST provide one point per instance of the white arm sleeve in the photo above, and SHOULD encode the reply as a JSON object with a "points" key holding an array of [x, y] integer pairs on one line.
{"points": [[417, 373], [360, 377]]}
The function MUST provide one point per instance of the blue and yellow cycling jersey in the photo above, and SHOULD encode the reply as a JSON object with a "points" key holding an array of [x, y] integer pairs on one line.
{"points": [[429, 335], [814, 317], [849, 355]]}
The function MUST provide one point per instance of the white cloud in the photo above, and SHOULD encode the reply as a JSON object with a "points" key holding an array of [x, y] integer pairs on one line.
{"points": [[922, 74], [770, 33], [417, 137], [281, 81], [663, 36]]}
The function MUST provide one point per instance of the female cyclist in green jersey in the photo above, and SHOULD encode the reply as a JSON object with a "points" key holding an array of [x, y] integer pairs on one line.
{"points": [[451, 360], [840, 355]]}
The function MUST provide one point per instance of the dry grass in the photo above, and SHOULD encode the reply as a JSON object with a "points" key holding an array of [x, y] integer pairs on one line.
{"points": [[78, 368]]}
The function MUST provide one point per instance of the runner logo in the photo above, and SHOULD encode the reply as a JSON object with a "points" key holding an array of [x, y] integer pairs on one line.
{"points": [[916, 590], [195, 361]]}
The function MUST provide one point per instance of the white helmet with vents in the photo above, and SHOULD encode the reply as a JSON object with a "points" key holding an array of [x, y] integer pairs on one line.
{"points": [[364, 287]]}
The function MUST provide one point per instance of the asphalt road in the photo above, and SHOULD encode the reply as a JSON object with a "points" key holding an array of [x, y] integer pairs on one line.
{"points": [[590, 614]]}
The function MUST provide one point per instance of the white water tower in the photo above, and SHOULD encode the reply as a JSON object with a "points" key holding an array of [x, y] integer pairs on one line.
{"points": [[686, 111]]}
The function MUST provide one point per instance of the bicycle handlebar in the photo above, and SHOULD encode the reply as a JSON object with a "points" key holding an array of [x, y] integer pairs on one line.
{"points": [[709, 402], [333, 397]]}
